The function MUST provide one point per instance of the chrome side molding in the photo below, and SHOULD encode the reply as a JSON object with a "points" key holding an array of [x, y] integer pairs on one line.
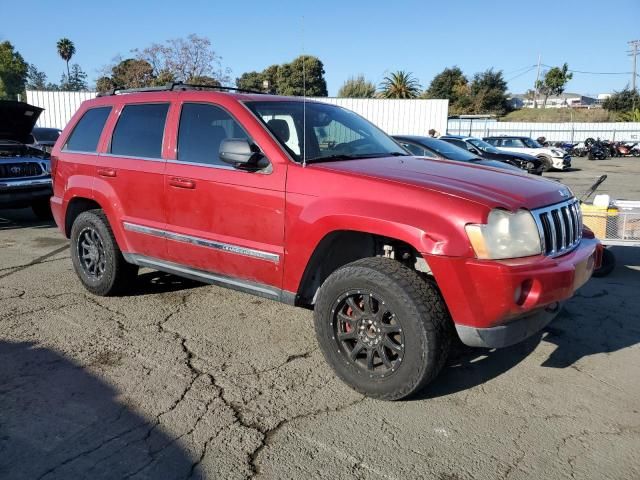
{"points": [[202, 242], [246, 286]]}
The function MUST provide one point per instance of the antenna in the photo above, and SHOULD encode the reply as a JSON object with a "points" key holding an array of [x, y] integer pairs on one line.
{"points": [[304, 102]]}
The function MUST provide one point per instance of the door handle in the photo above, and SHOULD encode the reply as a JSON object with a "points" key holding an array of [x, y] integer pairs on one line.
{"points": [[182, 183], [107, 172]]}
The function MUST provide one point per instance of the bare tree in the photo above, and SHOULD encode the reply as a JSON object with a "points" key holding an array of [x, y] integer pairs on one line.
{"points": [[183, 59]]}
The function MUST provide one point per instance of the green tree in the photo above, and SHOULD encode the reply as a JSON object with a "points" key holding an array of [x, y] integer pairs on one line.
{"points": [[622, 101], [553, 82], [452, 84], [66, 50], [36, 80], [630, 116], [13, 71], [76, 82], [488, 93], [291, 80], [250, 81], [400, 84], [357, 87]]}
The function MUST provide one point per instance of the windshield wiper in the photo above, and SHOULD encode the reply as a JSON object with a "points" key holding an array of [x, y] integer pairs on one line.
{"points": [[332, 158], [345, 156]]}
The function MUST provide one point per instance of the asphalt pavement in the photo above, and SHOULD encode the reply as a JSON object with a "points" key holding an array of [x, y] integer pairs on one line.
{"points": [[183, 380]]}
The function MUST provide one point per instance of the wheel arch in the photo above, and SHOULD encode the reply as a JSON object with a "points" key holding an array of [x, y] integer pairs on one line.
{"points": [[341, 247]]}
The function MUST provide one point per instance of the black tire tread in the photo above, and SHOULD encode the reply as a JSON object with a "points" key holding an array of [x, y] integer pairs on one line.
{"points": [[124, 273], [431, 309]]}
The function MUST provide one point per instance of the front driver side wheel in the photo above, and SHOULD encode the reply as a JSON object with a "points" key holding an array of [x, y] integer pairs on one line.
{"points": [[95, 255]]}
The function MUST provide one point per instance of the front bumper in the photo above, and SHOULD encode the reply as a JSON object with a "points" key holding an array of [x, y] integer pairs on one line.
{"points": [[498, 303], [22, 193], [561, 163]]}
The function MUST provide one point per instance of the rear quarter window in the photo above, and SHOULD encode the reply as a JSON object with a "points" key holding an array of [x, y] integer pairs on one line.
{"points": [[140, 130], [86, 133]]}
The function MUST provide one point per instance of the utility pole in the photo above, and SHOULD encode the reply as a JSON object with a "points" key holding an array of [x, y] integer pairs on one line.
{"points": [[634, 44], [535, 86]]}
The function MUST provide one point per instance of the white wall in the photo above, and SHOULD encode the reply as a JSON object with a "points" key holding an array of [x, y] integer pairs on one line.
{"points": [[410, 117], [59, 107], [554, 132], [396, 117]]}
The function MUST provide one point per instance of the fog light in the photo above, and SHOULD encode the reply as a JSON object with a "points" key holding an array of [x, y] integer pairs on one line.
{"points": [[522, 292]]}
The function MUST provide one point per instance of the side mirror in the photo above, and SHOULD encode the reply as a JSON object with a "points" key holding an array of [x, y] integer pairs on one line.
{"points": [[474, 150], [240, 153]]}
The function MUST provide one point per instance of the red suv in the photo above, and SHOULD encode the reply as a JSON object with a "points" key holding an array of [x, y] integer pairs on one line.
{"points": [[309, 204]]}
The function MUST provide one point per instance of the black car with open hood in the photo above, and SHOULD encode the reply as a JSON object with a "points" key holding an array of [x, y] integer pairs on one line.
{"points": [[25, 171]]}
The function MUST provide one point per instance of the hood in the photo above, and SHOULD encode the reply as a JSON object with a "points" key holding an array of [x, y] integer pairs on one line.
{"points": [[487, 186], [17, 119]]}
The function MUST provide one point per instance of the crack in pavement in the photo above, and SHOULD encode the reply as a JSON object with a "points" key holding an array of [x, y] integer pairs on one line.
{"points": [[36, 261]]}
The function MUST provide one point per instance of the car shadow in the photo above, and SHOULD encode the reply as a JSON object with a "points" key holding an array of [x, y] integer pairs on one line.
{"points": [[152, 282], [469, 367], [13, 219], [57, 420], [601, 318]]}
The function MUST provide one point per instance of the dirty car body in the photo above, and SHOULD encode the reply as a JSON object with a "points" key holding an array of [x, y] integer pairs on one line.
{"points": [[309, 204]]}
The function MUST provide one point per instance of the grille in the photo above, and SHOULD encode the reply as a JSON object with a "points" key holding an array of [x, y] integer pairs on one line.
{"points": [[559, 226], [17, 170]]}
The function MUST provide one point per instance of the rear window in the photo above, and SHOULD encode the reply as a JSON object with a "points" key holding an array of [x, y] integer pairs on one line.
{"points": [[86, 133], [140, 130]]}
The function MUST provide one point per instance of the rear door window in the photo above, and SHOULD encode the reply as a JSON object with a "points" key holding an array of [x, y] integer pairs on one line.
{"points": [[202, 129], [86, 134], [140, 130]]}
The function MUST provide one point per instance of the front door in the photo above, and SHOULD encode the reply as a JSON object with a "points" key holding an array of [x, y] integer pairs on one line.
{"points": [[222, 220]]}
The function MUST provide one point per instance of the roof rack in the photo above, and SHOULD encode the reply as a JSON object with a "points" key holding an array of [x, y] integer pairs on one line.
{"points": [[176, 86]]}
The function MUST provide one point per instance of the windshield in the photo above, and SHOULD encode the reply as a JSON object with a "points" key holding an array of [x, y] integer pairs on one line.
{"points": [[332, 133], [449, 151], [484, 146], [531, 143]]}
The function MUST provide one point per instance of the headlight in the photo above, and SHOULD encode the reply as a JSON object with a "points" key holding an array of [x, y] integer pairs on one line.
{"points": [[506, 235]]}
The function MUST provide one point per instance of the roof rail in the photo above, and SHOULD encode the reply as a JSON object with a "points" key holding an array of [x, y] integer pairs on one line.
{"points": [[175, 86]]}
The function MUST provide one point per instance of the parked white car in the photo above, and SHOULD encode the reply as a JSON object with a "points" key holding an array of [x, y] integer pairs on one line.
{"points": [[552, 157]]}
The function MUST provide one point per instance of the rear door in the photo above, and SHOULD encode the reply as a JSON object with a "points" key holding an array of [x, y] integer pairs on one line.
{"points": [[130, 173], [220, 219]]}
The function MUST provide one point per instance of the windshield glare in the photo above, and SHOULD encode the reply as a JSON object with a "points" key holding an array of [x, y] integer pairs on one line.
{"points": [[484, 146], [331, 131], [531, 143]]}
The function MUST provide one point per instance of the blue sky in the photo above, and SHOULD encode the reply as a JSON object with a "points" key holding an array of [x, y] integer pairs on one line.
{"points": [[372, 38]]}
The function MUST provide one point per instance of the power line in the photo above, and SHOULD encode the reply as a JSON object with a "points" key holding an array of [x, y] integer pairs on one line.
{"points": [[523, 73], [592, 73]]}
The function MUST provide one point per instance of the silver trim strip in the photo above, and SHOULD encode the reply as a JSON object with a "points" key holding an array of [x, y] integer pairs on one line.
{"points": [[131, 157], [225, 247], [21, 183], [208, 276]]}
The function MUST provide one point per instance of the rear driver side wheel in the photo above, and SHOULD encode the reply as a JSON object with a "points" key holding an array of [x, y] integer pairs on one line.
{"points": [[95, 255], [384, 330]]}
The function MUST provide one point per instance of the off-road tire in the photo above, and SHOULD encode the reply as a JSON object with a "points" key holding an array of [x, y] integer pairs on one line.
{"points": [[42, 209], [419, 309], [118, 274]]}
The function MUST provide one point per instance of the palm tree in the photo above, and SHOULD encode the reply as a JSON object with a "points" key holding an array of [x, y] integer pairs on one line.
{"points": [[66, 50], [400, 84]]}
